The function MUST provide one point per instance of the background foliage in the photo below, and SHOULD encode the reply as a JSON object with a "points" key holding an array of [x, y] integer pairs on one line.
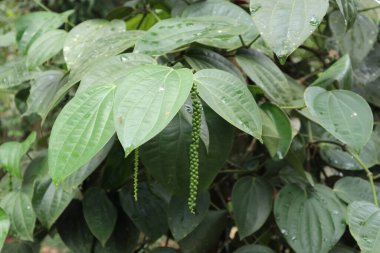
{"points": [[102, 144]]}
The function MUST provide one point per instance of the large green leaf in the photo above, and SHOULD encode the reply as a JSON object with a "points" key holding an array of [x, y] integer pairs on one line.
{"points": [[75, 179], [181, 221], [264, 72], [358, 41], [43, 88], [230, 98], [344, 114], [170, 34], [202, 58], [350, 189], [226, 9], [113, 68], [340, 72], [148, 213], [100, 214], [254, 249], [363, 219], [312, 220], [49, 201], [29, 27], [349, 10], [146, 100], [369, 69], [205, 237], [4, 227], [277, 131], [285, 24], [12, 152], [73, 230], [18, 246], [252, 200], [369, 91], [36, 170], [51, 42], [166, 156], [13, 73], [81, 130], [21, 215]]}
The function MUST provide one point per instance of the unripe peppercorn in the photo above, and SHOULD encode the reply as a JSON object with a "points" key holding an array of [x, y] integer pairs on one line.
{"points": [[136, 174], [194, 149]]}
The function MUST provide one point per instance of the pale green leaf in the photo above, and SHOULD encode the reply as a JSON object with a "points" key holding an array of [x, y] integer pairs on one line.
{"points": [[21, 215], [43, 88], [45, 47], [12, 152], [311, 220], [344, 114], [286, 24], [226, 9], [350, 189], [170, 34], [13, 73], [230, 98], [349, 10], [113, 68], [146, 100], [81, 130], [363, 220]]}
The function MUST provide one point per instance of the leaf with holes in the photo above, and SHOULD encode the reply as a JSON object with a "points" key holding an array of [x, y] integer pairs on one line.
{"points": [[344, 114], [285, 24], [146, 100], [231, 99], [81, 130]]}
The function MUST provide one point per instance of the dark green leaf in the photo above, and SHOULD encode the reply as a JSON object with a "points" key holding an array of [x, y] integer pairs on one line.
{"points": [[252, 200], [204, 238], [285, 24], [277, 131], [146, 100], [181, 221], [164, 250], [49, 201], [202, 58], [311, 220], [148, 213], [254, 249], [264, 72], [230, 98], [73, 230], [166, 155], [99, 213]]}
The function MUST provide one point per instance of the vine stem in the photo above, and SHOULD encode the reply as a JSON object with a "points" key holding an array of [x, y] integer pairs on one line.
{"points": [[356, 157], [44, 7], [369, 174]]}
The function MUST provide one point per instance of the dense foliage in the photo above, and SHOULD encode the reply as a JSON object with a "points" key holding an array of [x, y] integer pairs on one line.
{"points": [[190, 126]]}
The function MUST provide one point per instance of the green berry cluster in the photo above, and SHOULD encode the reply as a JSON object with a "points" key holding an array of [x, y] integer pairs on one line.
{"points": [[136, 174], [194, 149]]}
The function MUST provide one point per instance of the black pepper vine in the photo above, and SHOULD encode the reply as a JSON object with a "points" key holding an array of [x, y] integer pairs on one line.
{"points": [[136, 175], [194, 148]]}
